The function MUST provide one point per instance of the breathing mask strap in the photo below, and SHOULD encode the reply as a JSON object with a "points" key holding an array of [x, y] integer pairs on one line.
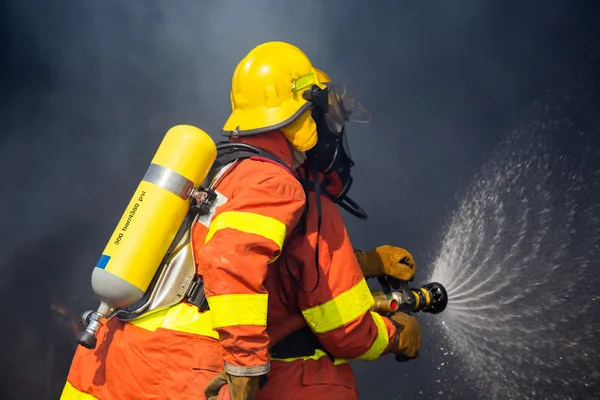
{"points": [[344, 201], [304, 225], [319, 219], [352, 207], [306, 187]]}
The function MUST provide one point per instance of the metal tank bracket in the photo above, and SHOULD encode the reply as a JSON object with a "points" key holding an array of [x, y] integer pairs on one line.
{"points": [[203, 199]]}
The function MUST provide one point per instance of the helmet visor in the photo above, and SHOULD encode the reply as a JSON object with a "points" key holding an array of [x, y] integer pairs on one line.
{"points": [[338, 104], [352, 109]]}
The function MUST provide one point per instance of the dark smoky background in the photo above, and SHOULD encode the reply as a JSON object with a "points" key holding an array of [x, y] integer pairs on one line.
{"points": [[88, 89]]}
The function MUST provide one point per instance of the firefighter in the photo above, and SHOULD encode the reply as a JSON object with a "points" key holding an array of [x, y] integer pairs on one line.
{"points": [[321, 277], [174, 352]]}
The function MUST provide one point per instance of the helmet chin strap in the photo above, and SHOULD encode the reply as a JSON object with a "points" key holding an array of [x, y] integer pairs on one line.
{"points": [[298, 157]]}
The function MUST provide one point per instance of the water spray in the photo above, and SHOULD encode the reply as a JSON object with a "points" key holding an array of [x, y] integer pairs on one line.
{"points": [[529, 221]]}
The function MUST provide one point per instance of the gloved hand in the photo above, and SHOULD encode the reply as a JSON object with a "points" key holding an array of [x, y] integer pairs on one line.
{"points": [[409, 335], [394, 262], [240, 387]]}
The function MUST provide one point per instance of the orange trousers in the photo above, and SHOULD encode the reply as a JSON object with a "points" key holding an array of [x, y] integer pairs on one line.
{"points": [[132, 363], [309, 380]]}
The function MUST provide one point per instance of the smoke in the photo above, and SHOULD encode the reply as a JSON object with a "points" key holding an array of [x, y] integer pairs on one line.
{"points": [[37, 338], [90, 87]]}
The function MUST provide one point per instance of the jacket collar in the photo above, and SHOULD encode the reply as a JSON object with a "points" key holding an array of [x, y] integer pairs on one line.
{"points": [[274, 142]]}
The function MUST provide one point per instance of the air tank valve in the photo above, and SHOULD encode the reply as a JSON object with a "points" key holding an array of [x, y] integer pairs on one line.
{"points": [[92, 320]]}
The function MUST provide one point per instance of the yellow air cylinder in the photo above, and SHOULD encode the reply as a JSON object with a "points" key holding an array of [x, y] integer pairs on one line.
{"points": [[153, 216]]}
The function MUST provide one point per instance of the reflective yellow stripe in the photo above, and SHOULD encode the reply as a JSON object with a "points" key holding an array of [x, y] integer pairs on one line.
{"points": [[70, 393], [181, 317], [238, 309], [318, 354], [381, 341], [340, 310], [303, 81], [267, 227]]}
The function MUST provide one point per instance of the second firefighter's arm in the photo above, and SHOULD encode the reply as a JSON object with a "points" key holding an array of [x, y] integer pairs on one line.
{"points": [[338, 311], [242, 239]]}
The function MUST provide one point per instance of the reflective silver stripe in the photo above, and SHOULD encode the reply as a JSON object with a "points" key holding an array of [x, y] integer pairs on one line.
{"points": [[256, 370], [169, 180]]}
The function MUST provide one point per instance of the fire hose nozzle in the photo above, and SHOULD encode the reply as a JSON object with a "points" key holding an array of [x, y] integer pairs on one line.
{"points": [[430, 298], [438, 297]]}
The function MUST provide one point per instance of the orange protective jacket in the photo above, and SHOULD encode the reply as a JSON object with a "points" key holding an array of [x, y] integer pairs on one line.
{"points": [[173, 353], [244, 237], [337, 311]]}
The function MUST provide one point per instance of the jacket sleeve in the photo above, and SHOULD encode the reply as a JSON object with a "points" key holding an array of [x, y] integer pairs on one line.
{"points": [[246, 234], [338, 311]]}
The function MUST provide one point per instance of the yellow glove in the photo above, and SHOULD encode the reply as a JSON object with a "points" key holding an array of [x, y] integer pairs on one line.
{"points": [[409, 335], [387, 260], [240, 387]]}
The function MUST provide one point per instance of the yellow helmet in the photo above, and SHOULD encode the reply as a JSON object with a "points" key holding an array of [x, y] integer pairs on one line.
{"points": [[267, 94], [323, 77]]}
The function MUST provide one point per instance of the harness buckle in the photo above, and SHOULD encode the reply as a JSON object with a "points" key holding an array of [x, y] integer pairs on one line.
{"points": [[196, 295]]}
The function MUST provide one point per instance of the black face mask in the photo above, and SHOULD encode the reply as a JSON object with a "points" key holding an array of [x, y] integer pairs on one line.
{"points": [[331, 154]]}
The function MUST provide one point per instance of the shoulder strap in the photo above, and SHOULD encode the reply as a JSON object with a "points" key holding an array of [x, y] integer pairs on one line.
{"points": [[230, 152]]}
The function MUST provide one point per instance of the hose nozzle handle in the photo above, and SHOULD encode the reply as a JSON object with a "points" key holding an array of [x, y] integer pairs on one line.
{"points": [[384, 303], [385, 285]]}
